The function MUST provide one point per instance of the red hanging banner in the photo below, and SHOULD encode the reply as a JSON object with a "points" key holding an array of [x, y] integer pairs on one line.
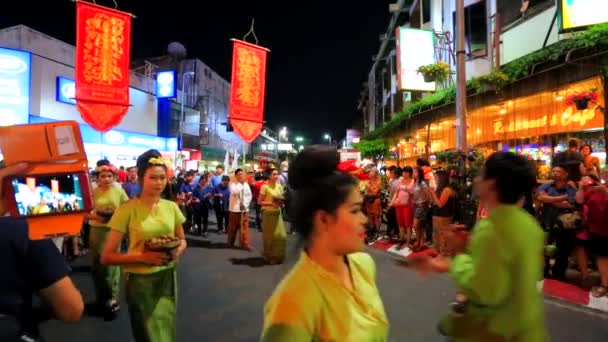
{"points": [[247, 89], [103, 39]]}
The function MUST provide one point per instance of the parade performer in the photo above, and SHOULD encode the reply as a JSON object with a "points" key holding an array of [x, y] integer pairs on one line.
{"points": [[273, 229], [107, 198], [151, 284], [498, 275], [329, 218]]}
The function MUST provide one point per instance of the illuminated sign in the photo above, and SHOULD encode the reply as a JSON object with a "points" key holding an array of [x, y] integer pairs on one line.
{"points": [[577, 14], [66, 90], [285, 147], [15, 70], [165, 84], [415, 48], [569, 117]]}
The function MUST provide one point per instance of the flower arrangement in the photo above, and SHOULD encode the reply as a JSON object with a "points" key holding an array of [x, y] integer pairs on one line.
{"points": [[435, 72], [581, 100], [496, 80]]}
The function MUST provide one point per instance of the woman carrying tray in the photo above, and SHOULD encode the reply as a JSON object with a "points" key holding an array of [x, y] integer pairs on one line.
{"points": [[151, 277]]}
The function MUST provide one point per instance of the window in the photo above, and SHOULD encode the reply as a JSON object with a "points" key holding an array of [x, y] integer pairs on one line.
{"points": [[510, 11], [476, 30]]}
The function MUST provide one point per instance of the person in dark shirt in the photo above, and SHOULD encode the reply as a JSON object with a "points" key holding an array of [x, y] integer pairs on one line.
{"points": [[30, 267], [202, 202], [221, 195], [131, 186]]}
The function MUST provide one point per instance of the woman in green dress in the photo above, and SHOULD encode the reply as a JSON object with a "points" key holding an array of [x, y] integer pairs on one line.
{"points": [[329, 219], [151, 284], [273, 229], [107, 197]]}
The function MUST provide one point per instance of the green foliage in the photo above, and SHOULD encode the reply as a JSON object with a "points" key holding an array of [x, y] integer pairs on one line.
{"points": [[372, 148], [594, 37], [495, 78], [438, 71]]}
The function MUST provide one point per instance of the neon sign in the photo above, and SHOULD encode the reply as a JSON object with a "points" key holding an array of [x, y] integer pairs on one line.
{"points": [[165, 84], [66, 90], [15, 70]]}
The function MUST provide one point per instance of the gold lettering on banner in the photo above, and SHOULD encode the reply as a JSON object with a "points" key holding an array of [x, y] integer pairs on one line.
{"points": [[248, 74], [103, 49], [569, 117]]}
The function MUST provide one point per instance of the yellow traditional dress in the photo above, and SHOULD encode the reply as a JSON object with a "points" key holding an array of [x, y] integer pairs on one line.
{"points": [[312, 304], [151, 290], [273, 227], [106, 278]]}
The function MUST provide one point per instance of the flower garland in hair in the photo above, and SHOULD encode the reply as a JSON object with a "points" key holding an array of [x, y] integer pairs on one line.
{"points": [[158, 161], [106, 168]]}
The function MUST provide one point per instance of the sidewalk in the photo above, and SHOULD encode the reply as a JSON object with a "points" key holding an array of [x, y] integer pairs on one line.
{"points": [[562, 291]]}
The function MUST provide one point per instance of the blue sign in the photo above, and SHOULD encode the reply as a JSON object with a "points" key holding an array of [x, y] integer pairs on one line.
{"points": [[119, 138], [15, 71], [66, 90], [166, 86]]}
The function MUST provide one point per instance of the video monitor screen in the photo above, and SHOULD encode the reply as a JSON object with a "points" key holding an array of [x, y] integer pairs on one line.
{"points": [[45, 195]]}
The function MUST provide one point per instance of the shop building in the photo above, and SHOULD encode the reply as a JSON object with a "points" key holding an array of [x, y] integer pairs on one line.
{"points": [[46, 85], [530, 115]]}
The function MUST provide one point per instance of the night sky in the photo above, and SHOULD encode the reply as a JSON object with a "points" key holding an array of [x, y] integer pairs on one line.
{"points": [[321, 50]]}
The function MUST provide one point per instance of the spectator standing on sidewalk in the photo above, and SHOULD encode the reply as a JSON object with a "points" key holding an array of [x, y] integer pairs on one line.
{"points": [[261, 179], [502, 265], [392, 228], [131, 186]]}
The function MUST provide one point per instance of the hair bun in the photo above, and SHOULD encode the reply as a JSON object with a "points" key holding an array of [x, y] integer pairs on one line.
{"points": [[312, 165], [142, 160]]}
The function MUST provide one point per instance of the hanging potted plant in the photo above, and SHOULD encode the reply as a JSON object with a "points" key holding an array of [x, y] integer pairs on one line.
{"points": [[437, 72], [493, 81], [581, 100]]}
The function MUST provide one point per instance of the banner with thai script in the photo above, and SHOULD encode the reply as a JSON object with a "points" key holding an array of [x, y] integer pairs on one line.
{"points": [[103, 38], [247, 89]]}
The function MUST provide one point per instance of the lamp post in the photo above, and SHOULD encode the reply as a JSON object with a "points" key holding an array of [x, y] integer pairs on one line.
{"points": [[328, 137], [299, 139], [182, 119]]}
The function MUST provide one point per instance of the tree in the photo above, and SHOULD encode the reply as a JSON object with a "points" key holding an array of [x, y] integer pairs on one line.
{"points": [[372, 148]]}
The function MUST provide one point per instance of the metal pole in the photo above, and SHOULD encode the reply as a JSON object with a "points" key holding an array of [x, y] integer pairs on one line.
{"points": [[461, 89]]}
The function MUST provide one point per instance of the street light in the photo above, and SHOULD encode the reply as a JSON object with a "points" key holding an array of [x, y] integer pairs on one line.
{"points": [[299, 139], [283, 134], [328, 137]]}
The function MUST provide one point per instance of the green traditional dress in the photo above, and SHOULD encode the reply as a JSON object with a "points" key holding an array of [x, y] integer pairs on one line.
{"points": [[106, 279], [311, 304], [151, 290], [499, 276], [273, 228]]}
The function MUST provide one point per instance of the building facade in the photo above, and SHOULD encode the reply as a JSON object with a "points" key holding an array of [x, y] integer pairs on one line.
{"points": [[531, 115]]}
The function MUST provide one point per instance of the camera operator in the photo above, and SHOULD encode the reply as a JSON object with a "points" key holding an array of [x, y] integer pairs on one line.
{"points": [[30, 267]]}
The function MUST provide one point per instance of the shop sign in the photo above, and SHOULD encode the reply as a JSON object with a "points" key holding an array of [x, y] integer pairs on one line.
{"points": [[568, 118], [247, 89], [103, 42], [66, 90], [415, 48], [15, 70], [577, 14], [172, 144], [165, 84], [285, 147]]}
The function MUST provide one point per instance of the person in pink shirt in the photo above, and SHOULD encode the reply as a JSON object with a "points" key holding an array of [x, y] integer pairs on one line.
{"points": [[403, 204]]}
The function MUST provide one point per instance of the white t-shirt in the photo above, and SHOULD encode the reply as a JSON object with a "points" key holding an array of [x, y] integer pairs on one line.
{"points": [[240, 193]]}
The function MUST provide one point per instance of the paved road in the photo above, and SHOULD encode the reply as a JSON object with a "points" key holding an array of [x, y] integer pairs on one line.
{"points": [[222, 292]]}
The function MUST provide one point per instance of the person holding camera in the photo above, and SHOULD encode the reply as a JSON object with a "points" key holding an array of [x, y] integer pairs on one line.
{"points": [[30, 267], [106, 199]]}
